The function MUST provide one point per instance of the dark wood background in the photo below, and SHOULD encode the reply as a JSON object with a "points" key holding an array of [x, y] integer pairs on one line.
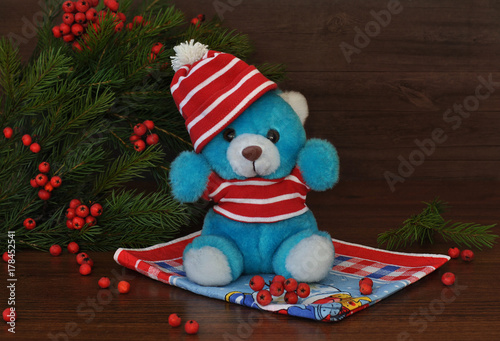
{"points": [[396, 90]]}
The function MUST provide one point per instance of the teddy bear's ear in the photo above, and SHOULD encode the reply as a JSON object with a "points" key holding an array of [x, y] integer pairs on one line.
{"points": [[298, 103]]}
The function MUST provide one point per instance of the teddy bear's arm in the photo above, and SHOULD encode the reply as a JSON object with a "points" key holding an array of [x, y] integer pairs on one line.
{"points": [[189, 175], [319, 164]]}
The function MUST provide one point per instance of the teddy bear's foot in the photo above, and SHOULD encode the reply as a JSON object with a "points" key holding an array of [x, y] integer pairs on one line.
{"points": [[306, 256], [212, 261]]}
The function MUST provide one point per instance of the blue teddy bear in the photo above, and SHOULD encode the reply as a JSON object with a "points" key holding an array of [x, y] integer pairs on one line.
{"points": [[257, 169]]}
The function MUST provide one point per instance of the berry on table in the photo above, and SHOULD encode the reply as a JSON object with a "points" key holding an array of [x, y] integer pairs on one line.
{"points": [[80, 257], [96, 210], [90, 221], [82, 211], [276, 289], [139, 145], [35, 148], [74, 203], [26, 139], [191, 327], [453, 252], [140, 129], [303, 290], [5, 257], [44, 167], [73, 247], [257, 283], [55, 250], [123, 287], [279, 278], [104, 282], [174, 320], [7, 132], [467, 255], [55, 181], [366, 280], [152, 139], [365, 289], [29, 223], [448, 278], [78, 223], [41, 179], [85, 269], [264, 297], [43, 194], [290, 285], [88, 261], [291, 297], [9, 315]]}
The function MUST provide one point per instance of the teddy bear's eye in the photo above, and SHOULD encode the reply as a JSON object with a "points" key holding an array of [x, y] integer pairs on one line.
{"points": [[229, 134], [273, 135]]}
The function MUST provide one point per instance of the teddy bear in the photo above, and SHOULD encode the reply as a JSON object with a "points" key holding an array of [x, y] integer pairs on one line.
{"points": [[251, 158]]}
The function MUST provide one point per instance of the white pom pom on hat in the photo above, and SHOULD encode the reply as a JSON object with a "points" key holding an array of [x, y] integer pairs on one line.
{"points": [[188, 53]]}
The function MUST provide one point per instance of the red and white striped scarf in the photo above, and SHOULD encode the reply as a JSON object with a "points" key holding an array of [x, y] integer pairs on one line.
{"points": [[257, 200]]}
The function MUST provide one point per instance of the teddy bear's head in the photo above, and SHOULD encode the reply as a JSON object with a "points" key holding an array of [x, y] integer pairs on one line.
{"points": [[264, 141]]}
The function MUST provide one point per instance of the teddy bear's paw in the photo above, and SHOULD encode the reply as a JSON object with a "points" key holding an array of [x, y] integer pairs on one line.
{"points": [[207, 266], [311, 259]]}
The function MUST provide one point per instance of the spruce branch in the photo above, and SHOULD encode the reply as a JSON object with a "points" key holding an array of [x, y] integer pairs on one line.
{"points": [[423, 226]]}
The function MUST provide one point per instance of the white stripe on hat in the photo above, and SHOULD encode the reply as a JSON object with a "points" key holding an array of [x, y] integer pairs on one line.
{"points": [[231, 115], [272, 200], [220, 99], [197, 66], [259, 219], [206, 82]]}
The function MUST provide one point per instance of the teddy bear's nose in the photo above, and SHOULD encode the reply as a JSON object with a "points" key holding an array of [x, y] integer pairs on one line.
{"points": [[252, 153]]}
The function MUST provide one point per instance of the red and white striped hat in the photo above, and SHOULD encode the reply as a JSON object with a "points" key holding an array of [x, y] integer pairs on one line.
{"points": [[211, 89]]}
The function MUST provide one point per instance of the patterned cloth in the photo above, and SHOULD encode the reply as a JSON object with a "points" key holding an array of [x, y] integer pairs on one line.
{"points": [[257, 200], [332, 299]]}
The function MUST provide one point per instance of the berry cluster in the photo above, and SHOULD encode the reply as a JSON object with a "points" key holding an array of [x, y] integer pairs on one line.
{"points": [[140, 129], [42, 180], [279, 286], [27, 140], [86, 263], [191, 327], [198, 20], [448, 278], [80, 215], [365, 286]]}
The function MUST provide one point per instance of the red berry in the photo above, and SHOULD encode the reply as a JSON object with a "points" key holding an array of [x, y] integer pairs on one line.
{"points": [[94, 3], [80, 257], [91, 15], [35, 148], [77, 30], [85, 269], [26, 139], [88, 261], [74, 203], [96, 210], [156, 50], [80, 18], [196, 22], [448, 278], [55, 181], [76, 46], [264, 297], [467, 255], [41, 179], [6, 257], [43, 194], [90, 221], [78, 223], [279, 278], [65, 29], [69, 7], [55, 250], [123, 287], [113, 5], [44, 167], [174, 320], [69, 224], [276, 289], [138, 20], [122, 16], [29, 223], [69, 37], [9, 314], [68, 18], [130, 26], [33, 183], [48, 187], [191, 327], [119, 27], [290, 284], [257, 283], [201, 17], [140, 129], [148, 123], [56, 31], [7, 132], [73, 247], [365, 289], [134, 138], [104, 282], [453, 252], [152, 139], [139, 145], [303, 290], [366, 280], [82, 211], [291, 297], [82, 6]]}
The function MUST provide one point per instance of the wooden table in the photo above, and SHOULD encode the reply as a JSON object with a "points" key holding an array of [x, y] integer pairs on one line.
{"points": [[55, 302]]}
